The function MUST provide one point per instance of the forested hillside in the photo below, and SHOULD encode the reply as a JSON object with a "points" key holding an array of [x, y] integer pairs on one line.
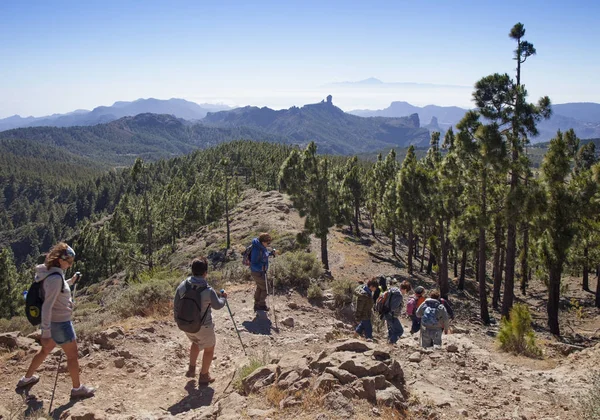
{"points": [[148, 136]]}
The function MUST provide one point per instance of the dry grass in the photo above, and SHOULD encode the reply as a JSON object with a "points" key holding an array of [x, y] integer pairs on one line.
{"points": [[274, 395]]}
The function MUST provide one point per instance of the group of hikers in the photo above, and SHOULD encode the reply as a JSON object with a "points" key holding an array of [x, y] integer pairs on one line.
{"points": [[50, 304], [431, 316]]}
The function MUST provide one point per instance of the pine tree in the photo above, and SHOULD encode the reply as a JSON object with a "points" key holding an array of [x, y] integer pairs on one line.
{"points": [[410, 182], [484, 155], [353, 183], [10, 298], [558, 225], [306, 177]]}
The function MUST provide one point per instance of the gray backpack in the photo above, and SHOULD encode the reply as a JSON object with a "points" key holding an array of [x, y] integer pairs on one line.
{"points": [[188, 309]]}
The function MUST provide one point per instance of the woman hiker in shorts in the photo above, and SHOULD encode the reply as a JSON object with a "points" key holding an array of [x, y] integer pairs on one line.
{"points": [[57, 327]]}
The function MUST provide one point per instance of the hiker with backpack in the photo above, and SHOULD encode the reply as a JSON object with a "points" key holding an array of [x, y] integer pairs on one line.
{"points": [[411, 308], [389, 307], [192, 306], [363, 308], [49, 303], [434, 320], [259, 264]]}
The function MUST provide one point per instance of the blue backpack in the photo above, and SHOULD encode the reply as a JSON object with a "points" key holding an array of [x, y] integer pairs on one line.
{"points": [[431, 315]]}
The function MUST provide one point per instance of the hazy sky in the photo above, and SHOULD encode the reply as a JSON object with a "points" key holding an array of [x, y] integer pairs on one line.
{"points": [[58, 56]]}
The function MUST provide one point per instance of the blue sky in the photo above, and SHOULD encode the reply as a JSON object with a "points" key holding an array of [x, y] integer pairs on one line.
{"points": [[58, 56]]}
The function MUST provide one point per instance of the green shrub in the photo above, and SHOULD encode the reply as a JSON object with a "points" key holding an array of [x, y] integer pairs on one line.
{"points": [[93, 324], [16, 323], [516, 335], [295, 269], [144, 299], [343, 291], [590, 401], [315, 292]]}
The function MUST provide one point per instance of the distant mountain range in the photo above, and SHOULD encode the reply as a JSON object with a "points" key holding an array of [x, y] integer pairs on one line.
{"points": [[583, 117], [180, 108], [334, 130], [149, 136], [156, 136]]}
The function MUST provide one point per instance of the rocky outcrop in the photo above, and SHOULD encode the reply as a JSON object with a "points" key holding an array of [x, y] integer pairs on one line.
{"points": [[344, 371]]}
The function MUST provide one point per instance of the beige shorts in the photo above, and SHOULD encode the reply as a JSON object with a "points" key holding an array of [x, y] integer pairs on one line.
{"points": [[205, 338]]}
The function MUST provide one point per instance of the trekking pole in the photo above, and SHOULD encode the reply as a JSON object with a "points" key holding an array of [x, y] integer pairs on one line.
{"points": [[272, 300], [234, 324], [55, 382]]}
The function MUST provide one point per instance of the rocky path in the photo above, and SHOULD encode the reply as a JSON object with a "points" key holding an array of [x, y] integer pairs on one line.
{"points": [[139, 369]]}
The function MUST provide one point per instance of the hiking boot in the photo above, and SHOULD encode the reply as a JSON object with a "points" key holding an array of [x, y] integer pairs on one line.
{"points": [[205, 379], [24, 382], [261, 308], [83, 391], [191, 373]]}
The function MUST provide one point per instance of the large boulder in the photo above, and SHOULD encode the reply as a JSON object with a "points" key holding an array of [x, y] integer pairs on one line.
{"points": [[364, 367], [9, 339], [337, 402], [390, 397], [352, 345], [261, 377], [343, 376], [326, 382]]}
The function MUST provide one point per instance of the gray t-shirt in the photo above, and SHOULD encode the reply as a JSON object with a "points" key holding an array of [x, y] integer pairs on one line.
{"points": [[206, 297]]}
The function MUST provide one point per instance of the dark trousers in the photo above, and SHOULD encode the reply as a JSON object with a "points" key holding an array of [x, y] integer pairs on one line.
{"points": [[416, 324], [366, 327], [260, 295]]}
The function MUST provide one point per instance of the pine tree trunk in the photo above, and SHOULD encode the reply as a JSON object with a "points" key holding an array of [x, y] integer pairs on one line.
{"points": [[410, 249], [598, 286], [394, 243], [423, 256], [524, 258], [228, 245], [463, 268], [372, 228], [553, 299], [416, 247], [483, 304], [149, 232], [511, 206], [586, 270], [443, 271], [509, 280], [431, 262], [324, 254], [455, 261], [356, 214], [497, 266]]}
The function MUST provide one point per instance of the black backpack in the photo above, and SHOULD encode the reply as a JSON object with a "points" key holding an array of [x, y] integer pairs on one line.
{"points": [[187, 308], [247, 255], [35, 300]]}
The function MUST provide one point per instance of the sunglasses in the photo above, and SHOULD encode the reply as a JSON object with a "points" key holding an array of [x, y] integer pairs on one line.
{"points": [[69, 253]]}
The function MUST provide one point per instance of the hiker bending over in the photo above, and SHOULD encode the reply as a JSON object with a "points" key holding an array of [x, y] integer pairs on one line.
{"points": [[259, 264], [434, 320], [194, 299], [382, 288], [364, 305], [389, 307], [56, 324], [412, 306]]}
